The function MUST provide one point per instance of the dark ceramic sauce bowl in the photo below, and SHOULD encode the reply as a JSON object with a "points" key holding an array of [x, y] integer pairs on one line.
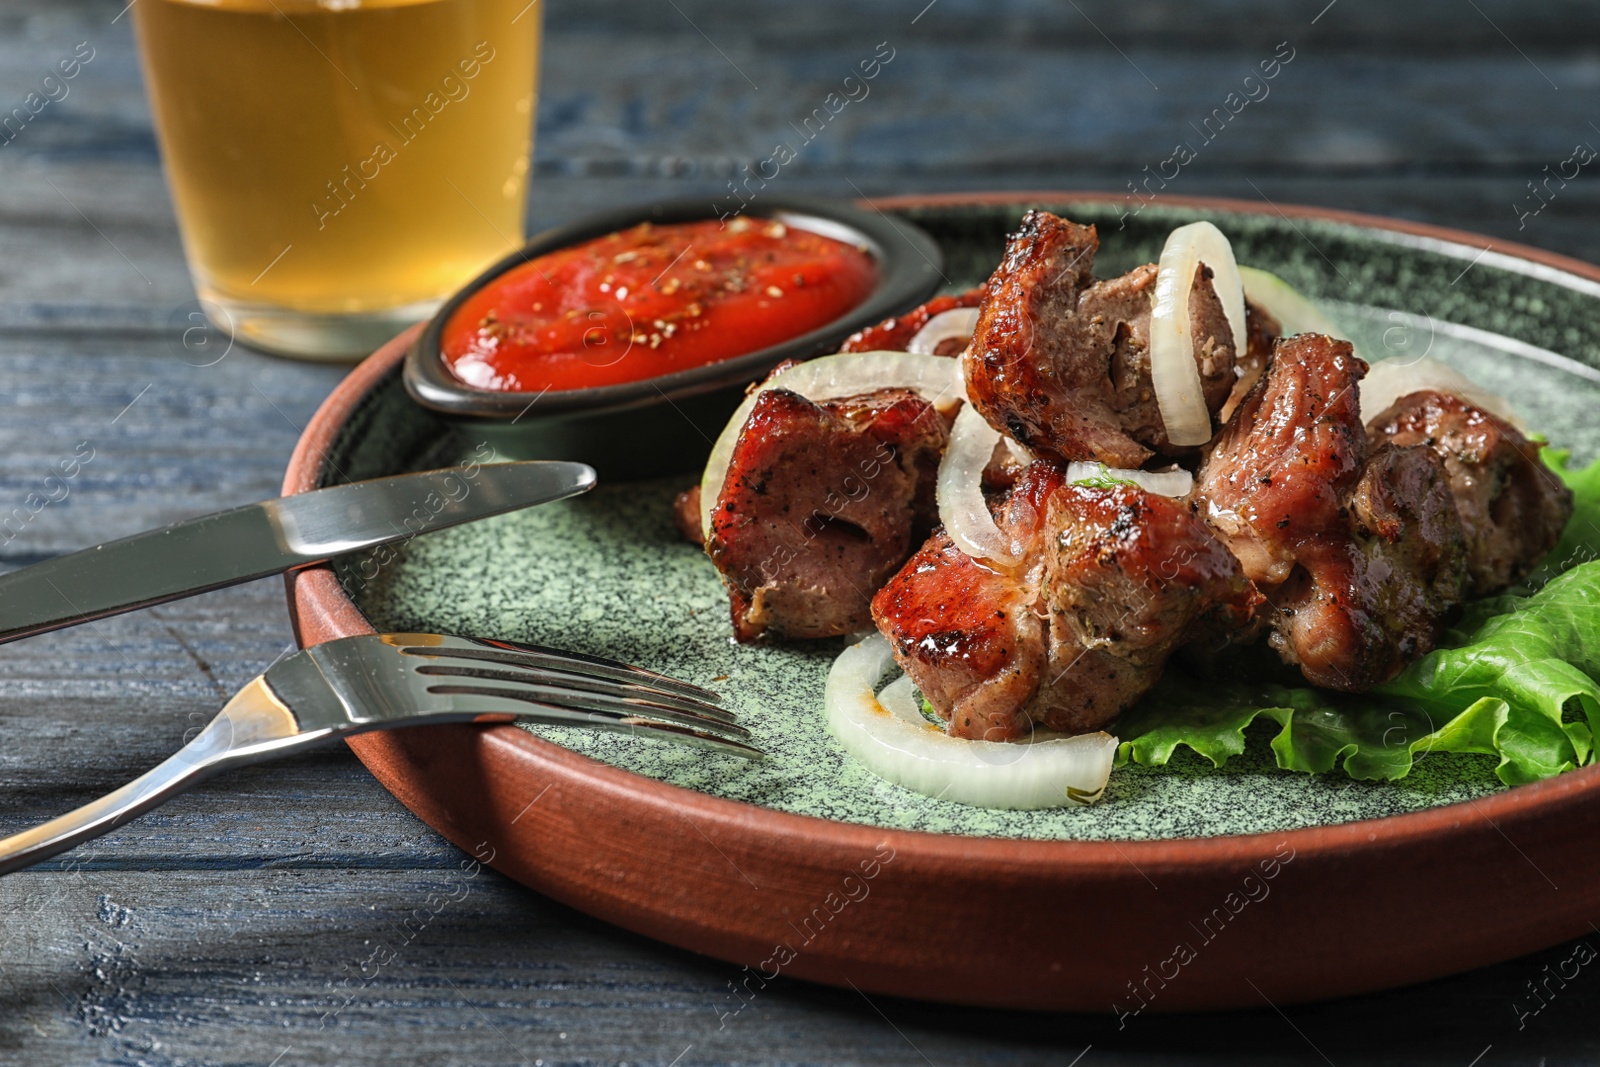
{"points": [[664, 424]]}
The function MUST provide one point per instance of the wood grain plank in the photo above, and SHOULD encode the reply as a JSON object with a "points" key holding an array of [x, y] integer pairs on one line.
{"points": [[92, 289], [658, 91], [640, 95], [158, 438], [1419, 26], [451, 966], [943, 107]]}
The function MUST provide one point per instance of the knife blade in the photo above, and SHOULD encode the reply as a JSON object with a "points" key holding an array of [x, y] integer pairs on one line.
{"points": [[243, 544]]}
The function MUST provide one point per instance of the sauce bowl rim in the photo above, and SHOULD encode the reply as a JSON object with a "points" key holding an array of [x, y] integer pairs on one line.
{"points": [[910, 270]]}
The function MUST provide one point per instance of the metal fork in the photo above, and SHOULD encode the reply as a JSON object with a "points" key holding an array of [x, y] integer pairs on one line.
{"points": [[380, 681]]}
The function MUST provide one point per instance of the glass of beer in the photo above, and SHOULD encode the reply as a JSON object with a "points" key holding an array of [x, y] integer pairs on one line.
{"points": [[340, 166]]}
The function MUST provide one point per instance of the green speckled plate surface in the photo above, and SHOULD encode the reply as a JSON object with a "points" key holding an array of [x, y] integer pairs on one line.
{"points": [[606, 574]]}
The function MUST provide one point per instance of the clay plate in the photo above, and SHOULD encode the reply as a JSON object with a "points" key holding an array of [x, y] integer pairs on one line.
{"points": [[1189, 888]]}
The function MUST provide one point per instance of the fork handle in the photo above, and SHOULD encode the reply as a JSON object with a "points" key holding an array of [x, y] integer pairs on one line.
{"points": [[254, 725]]}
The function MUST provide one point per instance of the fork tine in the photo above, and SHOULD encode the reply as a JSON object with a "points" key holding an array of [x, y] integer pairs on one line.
{"points": [[559, 696], [625, 720], [510, 652], [682, 735], [567, 683]]}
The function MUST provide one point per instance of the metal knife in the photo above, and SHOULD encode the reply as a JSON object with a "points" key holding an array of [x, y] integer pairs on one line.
{"points": [[258, 540]]}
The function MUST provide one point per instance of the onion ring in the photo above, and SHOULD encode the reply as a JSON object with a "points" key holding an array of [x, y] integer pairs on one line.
{"points": [[962, 507], [1173, 373], [957, 324], [889, 736]]}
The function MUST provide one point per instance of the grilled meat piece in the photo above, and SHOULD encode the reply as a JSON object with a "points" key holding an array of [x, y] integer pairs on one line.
{"points": [[968, 635], [686, 516], [1361, 551], [1111, 581], [893, 335], [823, 502], [1359, 607], [1263, 332], [1003, 469], [1276, 479], [1130, 576], [890, 335], [1061, 361], [1512, 507]]}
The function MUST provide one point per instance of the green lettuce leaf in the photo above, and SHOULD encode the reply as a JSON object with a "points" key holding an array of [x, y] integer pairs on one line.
{"points": [[1518, 677]]}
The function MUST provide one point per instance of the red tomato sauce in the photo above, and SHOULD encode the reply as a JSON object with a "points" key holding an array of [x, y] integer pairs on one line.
{"points": [[650, 301]]}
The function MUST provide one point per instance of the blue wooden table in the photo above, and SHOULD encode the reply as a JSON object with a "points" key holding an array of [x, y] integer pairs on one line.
{"points": [[239, 924]]}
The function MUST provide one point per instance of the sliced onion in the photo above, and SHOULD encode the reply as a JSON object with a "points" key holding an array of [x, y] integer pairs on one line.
{"points": [[1295, 313], [956, 324], [889, 736], [1391, 379], [1019, 451], [1173, 372], [1162, 483], [962, 508], [826, 378]]}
